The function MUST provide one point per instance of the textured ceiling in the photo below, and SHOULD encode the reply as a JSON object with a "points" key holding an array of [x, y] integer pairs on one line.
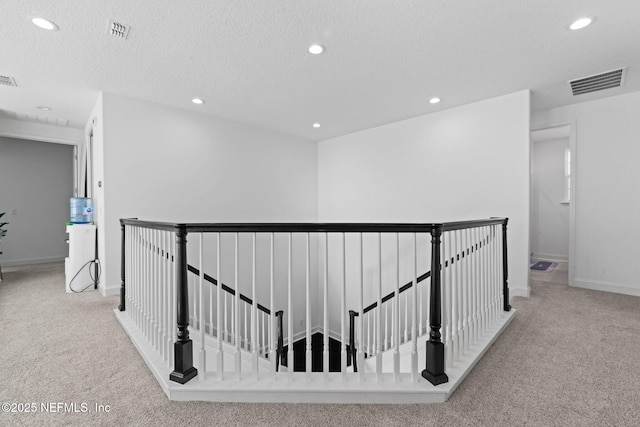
{"points": [[248, 59]]}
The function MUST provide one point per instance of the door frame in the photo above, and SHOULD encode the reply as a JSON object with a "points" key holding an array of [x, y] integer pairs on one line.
{"points": [[572, 180]]}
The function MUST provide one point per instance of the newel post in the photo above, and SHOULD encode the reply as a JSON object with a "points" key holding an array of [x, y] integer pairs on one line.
{"points": [[352, 353], [183, 348], [434, 371], [280, 348], [505, 269], [123, 259]]}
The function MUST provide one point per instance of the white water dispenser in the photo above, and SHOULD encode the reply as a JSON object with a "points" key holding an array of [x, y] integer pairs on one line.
{"points": [[79, 267]]}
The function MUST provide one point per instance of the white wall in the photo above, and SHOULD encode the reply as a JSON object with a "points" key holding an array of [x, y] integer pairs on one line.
{"points": [[36, 182], [469, 162], [607, 207], [168, 164], [549, 216], [95, 124]]}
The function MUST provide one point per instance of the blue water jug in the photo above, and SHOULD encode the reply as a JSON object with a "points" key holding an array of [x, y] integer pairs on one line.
{"points": [[81, 210]]}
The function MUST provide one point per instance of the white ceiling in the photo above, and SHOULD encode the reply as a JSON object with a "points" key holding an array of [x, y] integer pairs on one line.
{"points": [[248, 59]]}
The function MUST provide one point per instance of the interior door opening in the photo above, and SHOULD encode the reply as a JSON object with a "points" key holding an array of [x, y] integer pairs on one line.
{"points": [[552, 213]]}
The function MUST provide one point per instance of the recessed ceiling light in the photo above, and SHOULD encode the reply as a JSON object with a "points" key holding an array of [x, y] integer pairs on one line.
{"points": [[434, 100], [44, 24], [316, 125], [43, 108], [316, 49], [581, 23], [197, 101]]}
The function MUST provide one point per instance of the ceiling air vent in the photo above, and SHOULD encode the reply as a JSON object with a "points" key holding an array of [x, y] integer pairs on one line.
{"points": [[118, 30], [8, 81], [598, 82]]}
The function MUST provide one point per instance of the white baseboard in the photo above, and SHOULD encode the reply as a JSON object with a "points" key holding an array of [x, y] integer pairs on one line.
{"points": [[519, 292], [618, 288], [550, 257], [29, 261], [108, 292]]}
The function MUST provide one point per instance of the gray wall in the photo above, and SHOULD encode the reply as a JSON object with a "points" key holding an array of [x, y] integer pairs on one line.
{"points": [[36, 182]]}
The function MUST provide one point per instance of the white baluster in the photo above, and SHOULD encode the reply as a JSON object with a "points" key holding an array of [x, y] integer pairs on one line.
{"points": [[225, 307], [133, 275], [245, 321], [152, 288], [202, 372], [464, 276], [485, 295], [446, 303], [308, 305], [290, 366], [474, 286], [158, 292], [387, 333], [492, 293], [140, 278], [420, 295], [375, 313], [143, 282], [498, 257], [212, 304], [496, 273], [343, 309], [379, 315], [161, 294], [405, 298], [325, 315], [272, 317], [459, 291], [371, 334], [172, 293], [396, 317], [264, 335], [254, 310], [414, 312], [147, 289], [457, 259], [478, 281], [236, 307], [361, 342]]}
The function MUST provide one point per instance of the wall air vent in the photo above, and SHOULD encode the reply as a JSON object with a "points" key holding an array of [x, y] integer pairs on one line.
{"points": [[8, 81], [608, 80], [118, 30]]}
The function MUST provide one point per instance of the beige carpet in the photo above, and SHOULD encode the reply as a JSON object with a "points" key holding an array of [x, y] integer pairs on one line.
{"points": [[570, 357]]}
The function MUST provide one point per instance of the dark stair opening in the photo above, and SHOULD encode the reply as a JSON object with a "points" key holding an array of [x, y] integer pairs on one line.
{"points": [[317, 362]]}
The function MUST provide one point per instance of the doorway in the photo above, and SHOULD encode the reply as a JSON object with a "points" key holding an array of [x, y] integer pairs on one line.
{"points": [[552, 201]]}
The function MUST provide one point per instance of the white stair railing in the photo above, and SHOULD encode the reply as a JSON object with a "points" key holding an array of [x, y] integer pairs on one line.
{"points": [[313, 273]]}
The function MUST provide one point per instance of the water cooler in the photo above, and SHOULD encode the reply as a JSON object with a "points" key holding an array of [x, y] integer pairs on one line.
{"points": [[82, 250], [79, 266]]}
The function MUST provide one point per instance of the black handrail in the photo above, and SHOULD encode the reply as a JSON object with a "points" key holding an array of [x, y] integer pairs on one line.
{"points": [[424, 276], [227, 289], [293, 227]]}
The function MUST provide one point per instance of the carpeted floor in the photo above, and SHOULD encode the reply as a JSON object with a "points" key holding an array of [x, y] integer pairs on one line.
{"points": [[569, 358]]}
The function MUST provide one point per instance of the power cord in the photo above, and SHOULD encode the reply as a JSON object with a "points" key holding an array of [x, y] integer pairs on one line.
{"points": [[95, 280]]}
